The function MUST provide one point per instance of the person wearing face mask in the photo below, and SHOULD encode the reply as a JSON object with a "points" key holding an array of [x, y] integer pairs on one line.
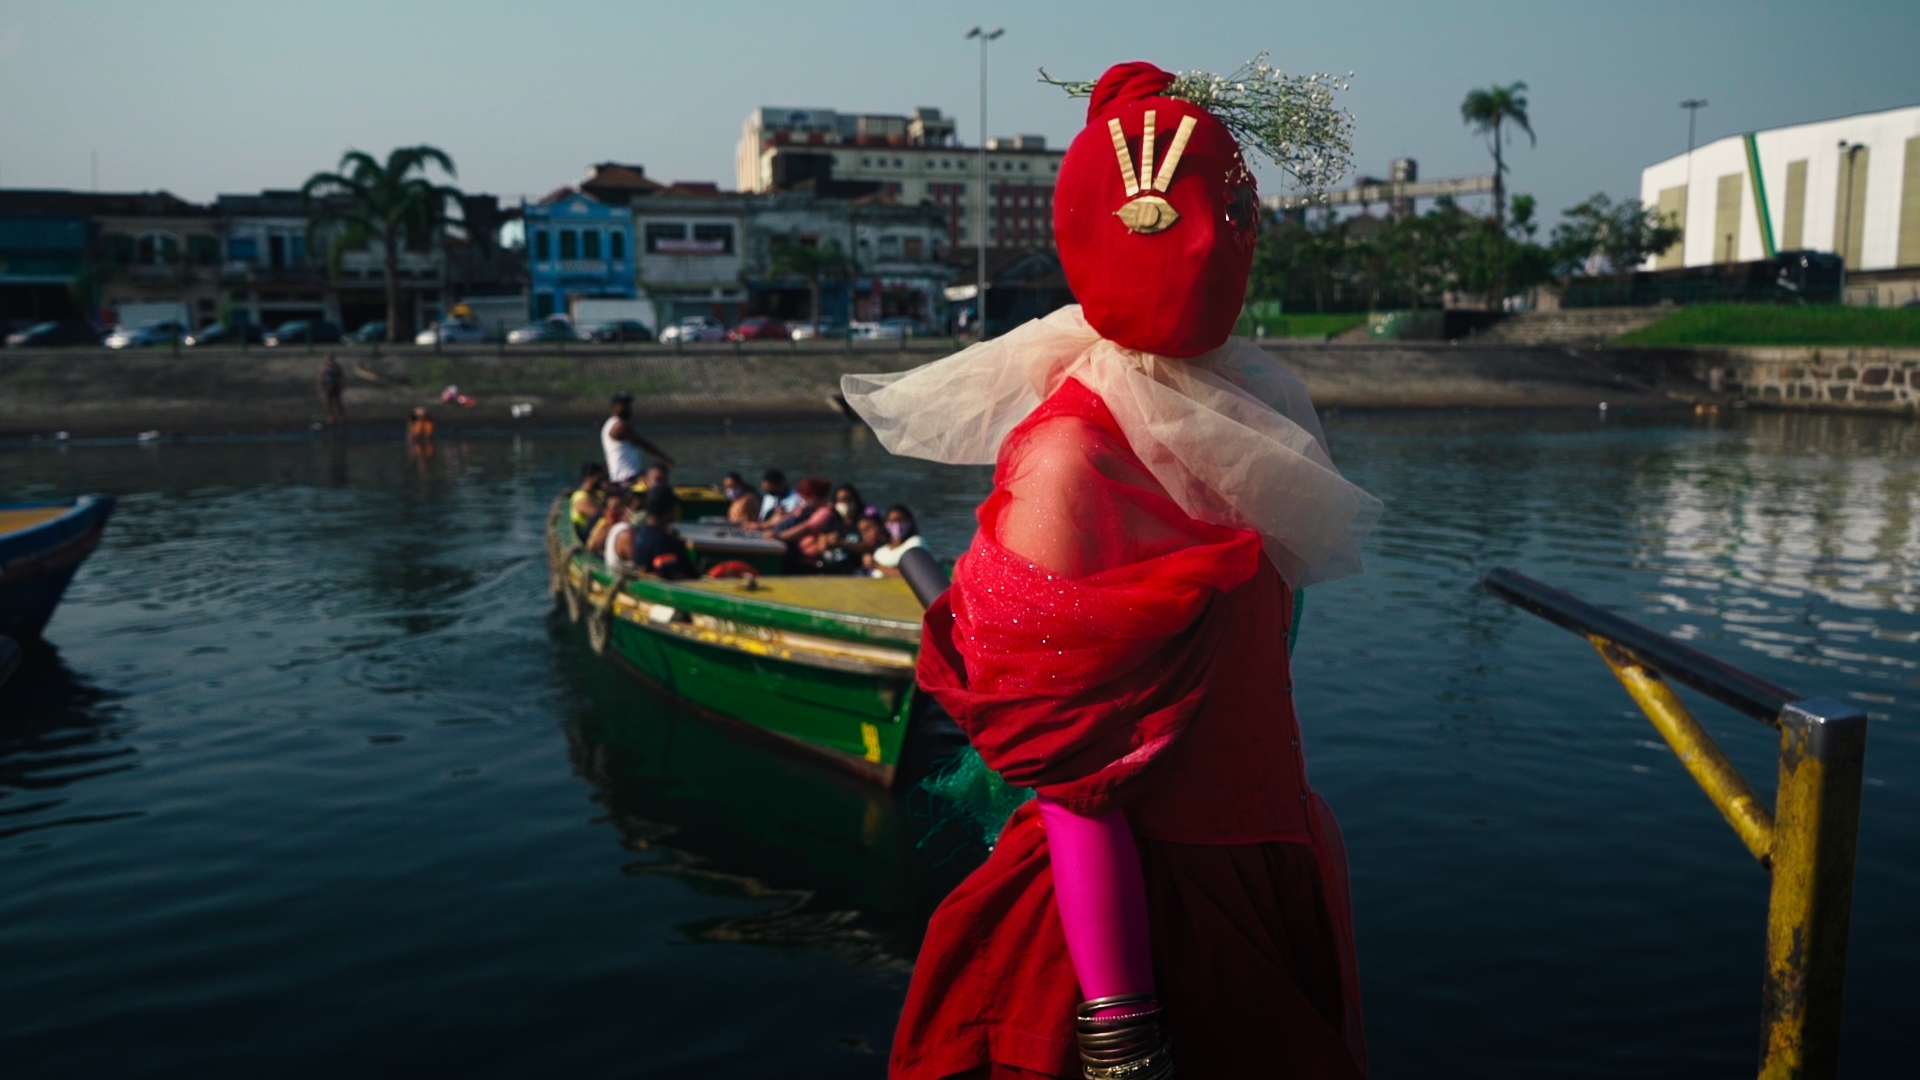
{"points": [[849, 505], [903, 535], [743, 503]]}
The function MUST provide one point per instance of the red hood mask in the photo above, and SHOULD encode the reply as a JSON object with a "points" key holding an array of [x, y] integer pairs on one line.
{"points": [[1156, 225]]}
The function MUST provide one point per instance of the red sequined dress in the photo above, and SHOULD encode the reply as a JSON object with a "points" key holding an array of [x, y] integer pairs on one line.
{"points": [[1104, 647]]}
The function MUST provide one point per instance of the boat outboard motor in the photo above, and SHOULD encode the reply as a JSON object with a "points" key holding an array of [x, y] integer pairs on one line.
{"points": [[923, 575]]}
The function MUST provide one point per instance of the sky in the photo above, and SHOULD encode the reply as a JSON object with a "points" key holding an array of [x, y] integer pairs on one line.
{"points": [[214, 96]]}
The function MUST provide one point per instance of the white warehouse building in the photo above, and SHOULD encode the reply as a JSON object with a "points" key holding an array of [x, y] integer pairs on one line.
{"points": [[1849, 186]]}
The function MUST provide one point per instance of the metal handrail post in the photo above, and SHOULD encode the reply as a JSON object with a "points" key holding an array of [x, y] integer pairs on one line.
{"points": [[1817, 822], [1808, 842]]}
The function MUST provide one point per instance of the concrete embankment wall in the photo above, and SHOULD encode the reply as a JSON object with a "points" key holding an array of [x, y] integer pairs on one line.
{"points": [[108, 393]]}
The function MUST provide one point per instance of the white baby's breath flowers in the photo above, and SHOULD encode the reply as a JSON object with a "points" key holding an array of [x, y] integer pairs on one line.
{"points": [[1292, 120]]}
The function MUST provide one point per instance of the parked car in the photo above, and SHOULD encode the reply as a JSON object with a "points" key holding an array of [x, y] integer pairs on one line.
{"points": [[136, 337], [907, 327], [829, 328], [452, 332], [369, 332], [40, 335], [617, 330], [552, 328], [695, 328], [760, 328], [884, 330], [222, 334], [305, 331]]}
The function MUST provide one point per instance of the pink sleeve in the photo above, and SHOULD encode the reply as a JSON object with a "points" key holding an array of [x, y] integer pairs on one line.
{"points": [[1102, 899]]}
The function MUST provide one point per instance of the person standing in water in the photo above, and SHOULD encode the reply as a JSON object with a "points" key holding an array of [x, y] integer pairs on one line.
{"points": [[623, 445], [333, 383], [1115, 640]]}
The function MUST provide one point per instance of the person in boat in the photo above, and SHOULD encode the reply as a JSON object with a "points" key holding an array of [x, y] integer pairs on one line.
{"points": [[743, 503], [1115, 639], [812, 529], [902, 534], [849, 505], [614, 512], [589, 500], [777, 500], [656, 475], [653, 545], [622, 444]]}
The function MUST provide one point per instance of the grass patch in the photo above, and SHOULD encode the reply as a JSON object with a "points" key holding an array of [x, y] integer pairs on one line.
{"points": [[1768, 324], [1299, 326]]}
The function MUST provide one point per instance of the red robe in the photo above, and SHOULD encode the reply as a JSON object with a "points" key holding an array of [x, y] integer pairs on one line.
{"points": [[1148, 670]]}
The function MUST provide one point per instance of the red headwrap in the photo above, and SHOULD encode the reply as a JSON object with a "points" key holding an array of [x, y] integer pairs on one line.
{"points": [[1173, 289]]}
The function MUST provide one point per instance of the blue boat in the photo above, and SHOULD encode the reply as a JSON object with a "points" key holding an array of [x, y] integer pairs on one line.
{"points": [[41, 545]]}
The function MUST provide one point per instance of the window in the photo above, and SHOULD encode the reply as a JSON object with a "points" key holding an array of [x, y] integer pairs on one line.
{"points": [[914, 248], [542, 246], [297, 250], [157, 249], [243, 249], [707, 235], [203, 250], [569, 244], [590, 244], [617, 244], [664, 236]]}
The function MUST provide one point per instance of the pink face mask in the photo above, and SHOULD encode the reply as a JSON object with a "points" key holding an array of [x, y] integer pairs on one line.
{"points": [[897, 530]]}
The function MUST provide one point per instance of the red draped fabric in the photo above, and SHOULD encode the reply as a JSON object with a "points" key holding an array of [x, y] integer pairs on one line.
{"points": [[1103, 647]]}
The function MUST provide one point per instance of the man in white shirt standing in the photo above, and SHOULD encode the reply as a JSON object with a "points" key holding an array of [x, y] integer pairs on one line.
{"points": [[622, 444]]}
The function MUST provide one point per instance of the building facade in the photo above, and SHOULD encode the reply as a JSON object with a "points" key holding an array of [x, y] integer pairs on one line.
{"points": [[578, 246], [1848, 186], [84, 255], [895, 266], [912, 159]]}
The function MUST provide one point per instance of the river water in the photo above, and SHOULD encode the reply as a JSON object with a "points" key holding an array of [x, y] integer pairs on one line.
{"points": [[312, 783]]}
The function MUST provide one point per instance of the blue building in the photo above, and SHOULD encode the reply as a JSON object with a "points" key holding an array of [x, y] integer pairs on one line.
{"points": [[577, 247]]}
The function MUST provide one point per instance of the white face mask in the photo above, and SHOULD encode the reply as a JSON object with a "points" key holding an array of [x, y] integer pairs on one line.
{"points": [[846, 509]]}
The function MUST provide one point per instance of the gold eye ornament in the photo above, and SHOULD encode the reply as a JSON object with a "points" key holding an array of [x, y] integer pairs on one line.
{"points": [[1146, 212]]}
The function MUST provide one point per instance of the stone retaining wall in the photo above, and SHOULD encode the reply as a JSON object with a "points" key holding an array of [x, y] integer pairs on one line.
{"points": [[1842, 379]]}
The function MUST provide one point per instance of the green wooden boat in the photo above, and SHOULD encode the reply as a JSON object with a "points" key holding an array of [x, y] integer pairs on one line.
{"points": [[824, 664]]}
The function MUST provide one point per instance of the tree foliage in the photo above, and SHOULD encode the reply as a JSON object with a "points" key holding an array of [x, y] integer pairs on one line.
{"points": [[1325, 263], [389, 206], [1599, 236], [813, 262]]}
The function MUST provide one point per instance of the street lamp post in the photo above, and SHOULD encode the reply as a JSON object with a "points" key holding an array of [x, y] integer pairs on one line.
{"points": [[1851, 152], [980, 213], [1693, 107]]}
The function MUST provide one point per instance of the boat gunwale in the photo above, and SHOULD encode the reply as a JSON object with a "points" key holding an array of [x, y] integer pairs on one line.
{"points": [[870, 629], [73, 507]]}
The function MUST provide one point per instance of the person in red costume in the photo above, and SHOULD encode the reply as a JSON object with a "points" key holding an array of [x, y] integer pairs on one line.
{"points": [[1116, 640]]}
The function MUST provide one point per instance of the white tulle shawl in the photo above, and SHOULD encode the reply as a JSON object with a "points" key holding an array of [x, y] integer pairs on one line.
{"points": [[1231, 434]]}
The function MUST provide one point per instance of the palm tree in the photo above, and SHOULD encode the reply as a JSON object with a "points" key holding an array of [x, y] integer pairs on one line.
{"points": [[385, 205], [813, 262], [1488, 111]]}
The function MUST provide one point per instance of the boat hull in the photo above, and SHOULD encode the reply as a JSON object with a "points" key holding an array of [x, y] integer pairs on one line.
{"points": [[767, 658], [38, 562]]}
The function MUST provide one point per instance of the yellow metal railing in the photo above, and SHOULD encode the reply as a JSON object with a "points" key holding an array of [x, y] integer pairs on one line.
{"points": [[1807, 840]]}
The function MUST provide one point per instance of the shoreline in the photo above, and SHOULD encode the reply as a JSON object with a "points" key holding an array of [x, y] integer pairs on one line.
{"points": [[272, 394]]}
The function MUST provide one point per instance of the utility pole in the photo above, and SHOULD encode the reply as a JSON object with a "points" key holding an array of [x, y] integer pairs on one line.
{"points": [[980, 215]]}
